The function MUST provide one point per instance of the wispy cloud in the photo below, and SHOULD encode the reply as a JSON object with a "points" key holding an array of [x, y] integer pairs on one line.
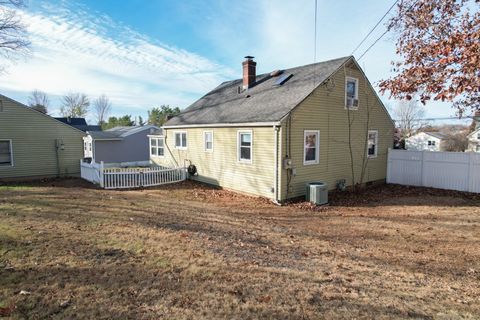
{"points": [[75, 50]]}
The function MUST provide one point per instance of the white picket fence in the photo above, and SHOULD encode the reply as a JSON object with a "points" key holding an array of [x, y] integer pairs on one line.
{"points": [[109, 176], [444, 170]]}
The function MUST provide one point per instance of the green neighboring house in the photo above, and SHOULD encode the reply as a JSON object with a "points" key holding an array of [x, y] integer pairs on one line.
{"points": [[35, 145], [270, 134]]}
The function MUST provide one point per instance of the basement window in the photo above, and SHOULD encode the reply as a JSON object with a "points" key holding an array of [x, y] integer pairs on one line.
{"points": [[181, 140], [311, 148], [244, 146], [157, 147], [372, 146], [6, 154]]}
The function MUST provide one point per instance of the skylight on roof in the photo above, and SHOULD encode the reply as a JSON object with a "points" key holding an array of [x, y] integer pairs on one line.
{"points": [[283, 79]]}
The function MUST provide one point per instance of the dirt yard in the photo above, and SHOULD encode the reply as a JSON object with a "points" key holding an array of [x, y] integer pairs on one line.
{"points": [[69, 251]]}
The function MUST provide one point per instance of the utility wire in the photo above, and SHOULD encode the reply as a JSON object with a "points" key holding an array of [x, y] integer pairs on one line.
{"points": [[373, 29], [434, 119], [386, 31]]}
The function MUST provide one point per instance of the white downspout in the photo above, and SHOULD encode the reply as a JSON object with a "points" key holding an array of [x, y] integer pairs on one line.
{"points": [[275, 189]]}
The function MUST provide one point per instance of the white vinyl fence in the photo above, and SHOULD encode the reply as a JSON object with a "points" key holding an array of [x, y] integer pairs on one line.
{"points": [[444, 170], [112, 176]]}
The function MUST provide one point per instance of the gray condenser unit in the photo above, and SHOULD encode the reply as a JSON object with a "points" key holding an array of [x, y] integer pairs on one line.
{"points": [[317, 193]]}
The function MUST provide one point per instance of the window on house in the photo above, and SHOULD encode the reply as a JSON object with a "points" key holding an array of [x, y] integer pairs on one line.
{"points": [[208, 139], [351, 93], [478, 136], [431, 142], [85, 144], [6, 158], [245, 146], [181, 140], [372, 143], [157, 147], [311, 148], [478, 147]]}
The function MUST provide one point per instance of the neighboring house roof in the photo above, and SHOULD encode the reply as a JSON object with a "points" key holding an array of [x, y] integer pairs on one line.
{"points": [[118, 133], [439, 135], [264, 102], [38, 112], [79, 123]]}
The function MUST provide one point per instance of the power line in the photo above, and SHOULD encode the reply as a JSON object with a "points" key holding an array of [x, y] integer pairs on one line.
{"points": [[386, 31], [434, 119], [373, 29]]}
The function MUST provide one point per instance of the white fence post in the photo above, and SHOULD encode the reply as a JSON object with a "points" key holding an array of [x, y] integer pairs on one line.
{"points": [[102, 183], [423, 169], [471, 176]]}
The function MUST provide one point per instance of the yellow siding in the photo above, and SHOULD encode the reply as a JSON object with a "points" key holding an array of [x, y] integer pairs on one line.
{"points": [[221, 166], [33, 138], [324, 110]]}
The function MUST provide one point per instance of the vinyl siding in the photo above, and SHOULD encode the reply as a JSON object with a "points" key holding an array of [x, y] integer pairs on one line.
{"points": [[324, 110], [220, 166], [132, 148], [33, 138]]}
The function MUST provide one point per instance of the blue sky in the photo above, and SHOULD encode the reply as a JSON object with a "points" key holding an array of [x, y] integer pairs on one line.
{"points": [[147, 53]]}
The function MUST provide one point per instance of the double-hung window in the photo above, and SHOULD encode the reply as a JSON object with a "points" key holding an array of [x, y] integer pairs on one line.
{"points": [[181, 140], [311, 147], [157, 147], [244, 145], [6, 154], [351, 93], [208, 140], [372, 143]]}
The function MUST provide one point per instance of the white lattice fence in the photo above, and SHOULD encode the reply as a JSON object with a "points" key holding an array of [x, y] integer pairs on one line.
{"points": [[122, 178]]}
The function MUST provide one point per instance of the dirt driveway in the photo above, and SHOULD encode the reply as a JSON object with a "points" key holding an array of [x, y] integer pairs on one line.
{"points": [[68, 250]]}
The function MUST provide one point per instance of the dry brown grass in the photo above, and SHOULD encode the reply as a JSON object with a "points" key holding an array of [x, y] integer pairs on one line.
{"points": [[188, 251]]}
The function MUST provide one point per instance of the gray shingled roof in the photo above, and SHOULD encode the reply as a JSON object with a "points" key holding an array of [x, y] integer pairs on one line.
{"points": [[264, 102], [118, 133], [439, 135]]}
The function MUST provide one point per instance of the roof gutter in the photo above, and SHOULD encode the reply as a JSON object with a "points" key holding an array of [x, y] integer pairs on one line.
{"points": [[220, 125]]}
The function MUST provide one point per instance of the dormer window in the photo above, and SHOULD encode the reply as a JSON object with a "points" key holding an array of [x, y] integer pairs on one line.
{"points": [[351, 93]]}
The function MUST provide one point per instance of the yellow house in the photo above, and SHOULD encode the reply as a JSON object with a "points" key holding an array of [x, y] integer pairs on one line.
{"points": [[35, 145], [270, 134]]}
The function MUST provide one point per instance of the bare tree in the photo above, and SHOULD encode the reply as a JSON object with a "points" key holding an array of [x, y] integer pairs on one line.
{"points": [[457, 142], [75, 105], [13, 34], [39, 101], [408, 114], [102, 107]]}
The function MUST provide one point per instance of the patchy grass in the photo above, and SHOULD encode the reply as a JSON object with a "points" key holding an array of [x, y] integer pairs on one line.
{"points": [[188, 251]]}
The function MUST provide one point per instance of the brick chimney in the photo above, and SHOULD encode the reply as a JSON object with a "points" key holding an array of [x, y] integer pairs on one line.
{"points": [[249, 72]]}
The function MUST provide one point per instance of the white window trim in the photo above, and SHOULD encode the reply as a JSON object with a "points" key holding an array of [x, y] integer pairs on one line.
{"points": [[357, 86], [205, 141], [150, 147], [376, 144], [239, 132], [317, 147], [11, 154], [181, 140]]}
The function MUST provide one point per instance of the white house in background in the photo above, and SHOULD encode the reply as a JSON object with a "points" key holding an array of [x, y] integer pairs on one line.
{"points": [[428, 141], [119, 144], [474, 141]]}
